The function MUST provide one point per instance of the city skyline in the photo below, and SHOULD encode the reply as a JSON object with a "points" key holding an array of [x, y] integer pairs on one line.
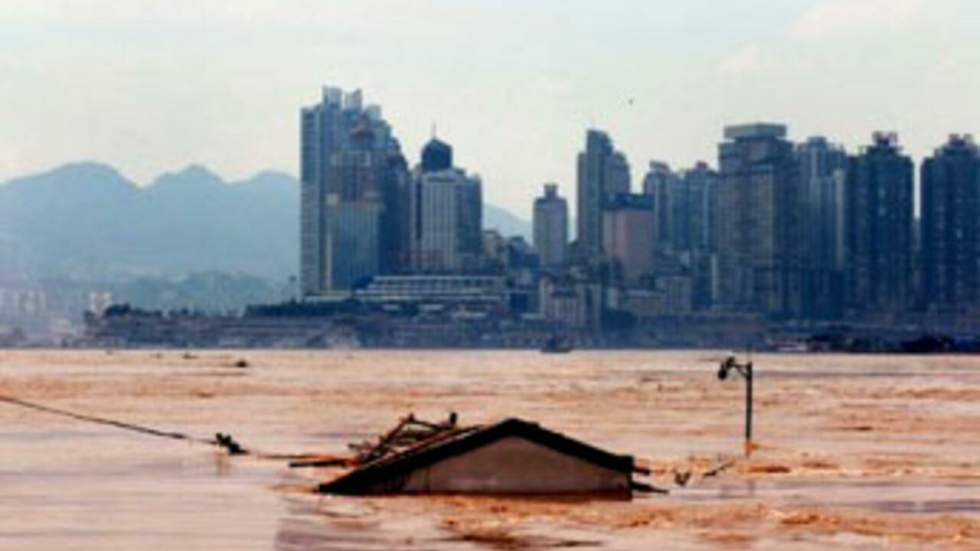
{"points": [[228, 89]]}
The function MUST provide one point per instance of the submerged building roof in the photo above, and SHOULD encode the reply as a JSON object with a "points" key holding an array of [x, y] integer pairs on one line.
{"points": [[496, 458]]}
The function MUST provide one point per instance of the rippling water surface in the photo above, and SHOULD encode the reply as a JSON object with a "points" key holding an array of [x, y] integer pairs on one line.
{"points": [[854, 451]]}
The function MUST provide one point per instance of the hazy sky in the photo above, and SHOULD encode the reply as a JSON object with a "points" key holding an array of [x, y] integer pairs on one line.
{"points": [[151, 86]]}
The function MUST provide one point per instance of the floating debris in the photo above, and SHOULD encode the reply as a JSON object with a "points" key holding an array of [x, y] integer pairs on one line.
{"points": [[227, 442]]}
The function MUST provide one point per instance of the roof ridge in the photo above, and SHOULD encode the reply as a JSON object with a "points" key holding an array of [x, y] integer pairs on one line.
{"points": [[458, 442]]}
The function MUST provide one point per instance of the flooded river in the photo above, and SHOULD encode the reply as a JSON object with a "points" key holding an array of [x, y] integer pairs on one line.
{"points": [[854, 451]]}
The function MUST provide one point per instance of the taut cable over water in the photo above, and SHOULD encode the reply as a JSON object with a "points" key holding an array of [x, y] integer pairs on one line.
{"points": [[220, 440]]}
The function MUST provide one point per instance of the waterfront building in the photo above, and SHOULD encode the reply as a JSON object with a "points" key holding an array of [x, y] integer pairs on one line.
{"points": [[446, 207], [671, 296], [950, 230], [551, 227], [349, 157], [823, 169], [570, 302], [759, 222], [628, 230], [436, 289], [601, 171], [878, 229]]}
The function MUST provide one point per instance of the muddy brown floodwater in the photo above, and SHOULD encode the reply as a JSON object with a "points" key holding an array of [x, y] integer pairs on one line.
{"points": [[858, 452]]}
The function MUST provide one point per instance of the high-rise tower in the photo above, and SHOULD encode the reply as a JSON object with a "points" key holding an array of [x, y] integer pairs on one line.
{"points": [[878, 228], [602, 172], [351, 172], [446, 214], [823, 168], [951, 228], [551, 227], [759, 214]]}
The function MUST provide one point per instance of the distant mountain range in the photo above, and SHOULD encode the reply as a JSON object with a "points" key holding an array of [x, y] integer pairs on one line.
{"points": [[85, 220]]}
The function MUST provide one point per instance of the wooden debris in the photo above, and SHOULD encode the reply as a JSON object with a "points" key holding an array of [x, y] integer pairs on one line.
{"points": [[682, 478], [322, 461], [408, 433], [227, 442], [718, 470]]}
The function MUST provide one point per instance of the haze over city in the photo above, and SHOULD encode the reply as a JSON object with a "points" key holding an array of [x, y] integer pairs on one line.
{"points": [[489, 274], [153, 86]]}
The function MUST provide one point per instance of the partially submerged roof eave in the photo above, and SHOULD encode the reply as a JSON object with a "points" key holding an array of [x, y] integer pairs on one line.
{"points": [[360, 480]]}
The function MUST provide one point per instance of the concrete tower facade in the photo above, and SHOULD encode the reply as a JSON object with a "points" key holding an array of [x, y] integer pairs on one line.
{"points": [[951, 228], [551, 227], [352, 178], [879, 209], [759, 222]]}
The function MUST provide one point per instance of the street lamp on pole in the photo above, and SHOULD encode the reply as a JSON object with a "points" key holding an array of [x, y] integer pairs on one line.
{"points": [[729, 364]]}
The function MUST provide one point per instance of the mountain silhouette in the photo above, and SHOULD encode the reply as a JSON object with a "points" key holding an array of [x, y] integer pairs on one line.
{"points": [[87, 221]]}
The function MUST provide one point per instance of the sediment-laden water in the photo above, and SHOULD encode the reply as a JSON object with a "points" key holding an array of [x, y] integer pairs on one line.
{"points": [[854, 451]]}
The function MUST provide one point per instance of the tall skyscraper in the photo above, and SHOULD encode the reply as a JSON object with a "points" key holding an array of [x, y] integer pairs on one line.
{"points": [[878, 228], [551, 227], [696, 226], [627, 235], [618, 179], [352, 176], [446, 214], [662, 185], [601, 172], [823, 168], [700, 208], [353, 244], [684, 206], [759, 221], [951, 228]]}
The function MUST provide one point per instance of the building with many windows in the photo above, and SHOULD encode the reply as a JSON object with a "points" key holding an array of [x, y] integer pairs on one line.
{"points": [[878, 229], [352, 175], [353, 235], [951, 228], [435, 289], [446, 206], [661, 184], [823, 169], [697, 209], [601, 172], [551, 227], [759, 222]]}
